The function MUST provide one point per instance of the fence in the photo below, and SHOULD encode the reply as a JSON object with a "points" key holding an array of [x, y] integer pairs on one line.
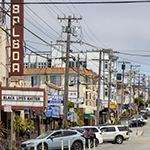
{"points": [[69, 146]]}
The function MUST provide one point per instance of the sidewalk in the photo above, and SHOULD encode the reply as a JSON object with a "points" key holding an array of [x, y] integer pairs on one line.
{"points": [[137, 131]]}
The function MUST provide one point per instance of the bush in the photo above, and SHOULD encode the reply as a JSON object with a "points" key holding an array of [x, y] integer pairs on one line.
{"points": [[117, 122], [80, 123]]}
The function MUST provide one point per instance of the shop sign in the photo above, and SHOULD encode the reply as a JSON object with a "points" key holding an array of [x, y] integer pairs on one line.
{"points": [[112, 105], [77, 100], [22, 98], [72, 94], [55, 100], [17, 40], [7, 108], [52, 112]]}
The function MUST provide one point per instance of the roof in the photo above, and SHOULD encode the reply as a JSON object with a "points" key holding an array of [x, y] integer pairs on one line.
{"points": [[57, 70], [54, 86]]}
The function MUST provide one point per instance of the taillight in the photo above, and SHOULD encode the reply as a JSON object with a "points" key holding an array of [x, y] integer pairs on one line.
{"points": [[82, 135], [87, 133], [93, 133], [127, 133]]}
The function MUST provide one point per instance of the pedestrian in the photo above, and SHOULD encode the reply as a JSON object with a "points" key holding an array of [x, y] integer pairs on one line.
{"points": [[112, 119]]}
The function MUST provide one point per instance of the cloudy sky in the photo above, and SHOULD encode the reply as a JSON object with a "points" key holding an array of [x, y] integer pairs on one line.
{"points": [[122, 27]]}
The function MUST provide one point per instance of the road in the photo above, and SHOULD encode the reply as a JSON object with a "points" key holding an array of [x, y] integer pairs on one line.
{"points": [[139, 140]]}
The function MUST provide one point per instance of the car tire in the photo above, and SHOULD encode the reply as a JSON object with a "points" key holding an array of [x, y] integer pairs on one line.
{"points": [[77, 146], [40, 147], [141, 125], [119, 139], [96, 142]]}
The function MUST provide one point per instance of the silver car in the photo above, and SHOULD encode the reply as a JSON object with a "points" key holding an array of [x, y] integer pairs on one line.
{"points": [[53, 140]]}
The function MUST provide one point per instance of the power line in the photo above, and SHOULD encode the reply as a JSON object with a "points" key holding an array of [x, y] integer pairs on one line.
{"points": [[81, 3]]}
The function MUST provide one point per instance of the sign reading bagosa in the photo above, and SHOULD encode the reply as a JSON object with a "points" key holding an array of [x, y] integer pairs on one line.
{"points": [[17, 39]]}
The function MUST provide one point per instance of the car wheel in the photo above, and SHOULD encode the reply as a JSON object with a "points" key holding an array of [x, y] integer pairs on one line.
{"points": [[141, 125], [40, 147], [119, 139], [77, 146], [96, 142]]}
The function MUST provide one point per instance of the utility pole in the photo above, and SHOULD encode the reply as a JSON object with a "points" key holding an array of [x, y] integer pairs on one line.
{"points": [[99, 78], [78, 83], [109, 94], [130, 89], [65, 98], [138, 92], [122, 87], [99, 85]]}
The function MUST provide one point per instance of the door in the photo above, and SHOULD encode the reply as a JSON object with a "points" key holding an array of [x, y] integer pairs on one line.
{"points": [[54, 141], [111, 133], [68, 135], [104, 134]]}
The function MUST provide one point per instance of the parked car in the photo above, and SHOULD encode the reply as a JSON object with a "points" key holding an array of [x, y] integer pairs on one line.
{"points": [[88, 135], [52, 140], [136, 123], [97, 132], [114, 133]]}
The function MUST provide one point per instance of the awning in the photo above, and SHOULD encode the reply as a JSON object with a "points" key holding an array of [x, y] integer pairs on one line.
{"points": [[89, 116], [53, 112]]}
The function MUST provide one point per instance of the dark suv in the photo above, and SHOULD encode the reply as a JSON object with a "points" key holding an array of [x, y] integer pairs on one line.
{"points": [[88, 135]]}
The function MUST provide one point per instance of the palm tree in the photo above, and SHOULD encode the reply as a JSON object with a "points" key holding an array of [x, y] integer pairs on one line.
{"points": [[2, 129], [17, 124], [23, 125]]}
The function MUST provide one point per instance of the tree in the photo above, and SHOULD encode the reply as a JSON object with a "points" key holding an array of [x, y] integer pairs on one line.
{"points": [[141, 101], [22, 125], [2, 129]]}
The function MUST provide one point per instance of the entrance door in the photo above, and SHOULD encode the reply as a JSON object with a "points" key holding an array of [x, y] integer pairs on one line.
{"points": [[4, 120]]}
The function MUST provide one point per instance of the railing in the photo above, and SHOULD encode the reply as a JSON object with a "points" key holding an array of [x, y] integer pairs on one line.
{"points": [[69, 146]]}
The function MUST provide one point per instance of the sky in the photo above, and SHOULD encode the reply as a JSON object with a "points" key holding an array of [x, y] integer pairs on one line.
{"points": [[125, 28]]}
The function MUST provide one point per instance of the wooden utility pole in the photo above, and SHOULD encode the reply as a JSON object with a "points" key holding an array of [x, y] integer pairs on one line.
{"points": [[65, 98], [99, 84], [78, 83], [122, 87]]}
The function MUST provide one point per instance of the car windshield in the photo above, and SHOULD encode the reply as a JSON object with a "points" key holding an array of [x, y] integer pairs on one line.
{"points": [[44, 135]]}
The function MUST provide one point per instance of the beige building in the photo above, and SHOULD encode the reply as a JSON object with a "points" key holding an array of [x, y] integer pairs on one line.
{"points": [[36, 77]]}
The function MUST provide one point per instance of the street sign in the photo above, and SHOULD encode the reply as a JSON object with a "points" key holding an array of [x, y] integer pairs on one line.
{"points": [[55, 100], [77, 100], [73, 117], [26, 111], [7, 108]]}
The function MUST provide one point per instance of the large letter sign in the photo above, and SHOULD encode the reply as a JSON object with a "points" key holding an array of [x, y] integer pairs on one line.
{"points": [[17, 39]]}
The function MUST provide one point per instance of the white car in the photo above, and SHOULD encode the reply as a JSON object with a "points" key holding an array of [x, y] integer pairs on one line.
{"points": [[114, 133], [97, 132]]}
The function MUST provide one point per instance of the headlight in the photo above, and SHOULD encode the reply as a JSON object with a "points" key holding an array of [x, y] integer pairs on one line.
{"points": [[30, 143]]}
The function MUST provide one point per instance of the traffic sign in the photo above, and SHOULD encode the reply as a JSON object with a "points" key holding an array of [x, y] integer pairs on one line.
{"points": [[7, 108], [77, 100]]}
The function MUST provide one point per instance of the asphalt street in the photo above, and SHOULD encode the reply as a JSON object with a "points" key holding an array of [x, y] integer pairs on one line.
{"points": [[139, 140]]}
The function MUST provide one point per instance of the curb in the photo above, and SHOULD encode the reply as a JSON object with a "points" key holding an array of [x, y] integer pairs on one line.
{"points": [[142, 133]]}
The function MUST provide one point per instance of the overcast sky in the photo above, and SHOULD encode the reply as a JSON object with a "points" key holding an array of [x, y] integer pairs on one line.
{"points": [[122, 27]]}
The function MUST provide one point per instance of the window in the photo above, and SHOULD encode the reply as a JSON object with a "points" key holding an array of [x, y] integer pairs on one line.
{"points": [[57, 134], [86, 95], [33, 65], [106, 65], [35, 81], [55, 80], [41, 65], [66, 133], [106, 92], [122, 128], [93, 129], [111, 129], [25, 65], [89, 95], [73, 80]]}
